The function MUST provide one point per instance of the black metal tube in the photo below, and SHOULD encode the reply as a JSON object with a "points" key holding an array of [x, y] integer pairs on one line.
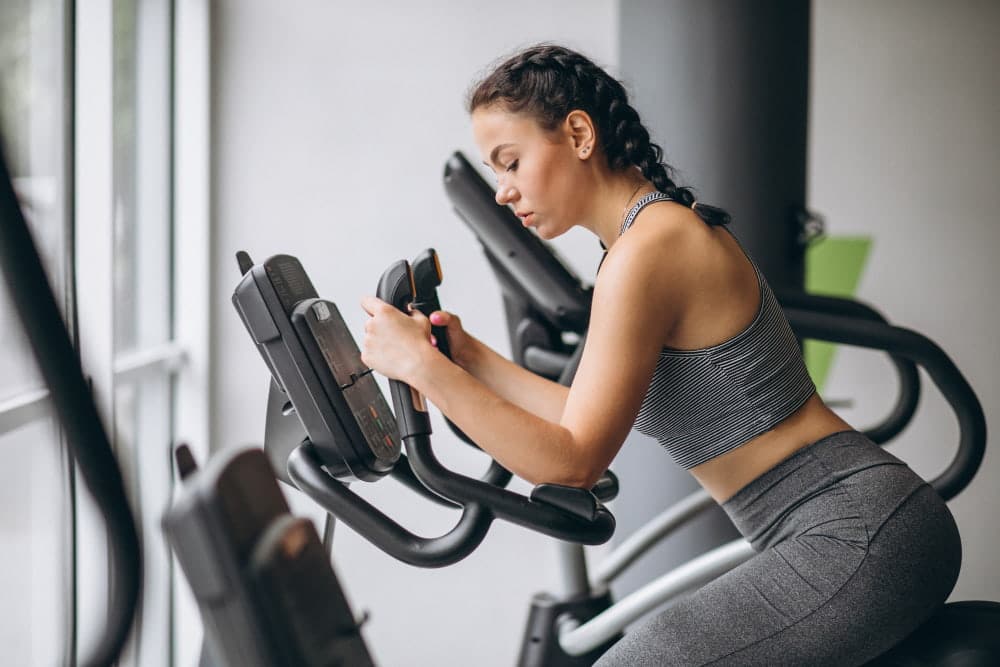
{"points": [[71, 396], [943, 372], [909, 380], [505, 504], [829, 305], [905, 407], [306, 470], [496, 475], [403, 473]]}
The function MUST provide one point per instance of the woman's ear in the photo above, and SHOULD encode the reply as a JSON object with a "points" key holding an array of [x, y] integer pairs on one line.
{"points": [[580, 129]]}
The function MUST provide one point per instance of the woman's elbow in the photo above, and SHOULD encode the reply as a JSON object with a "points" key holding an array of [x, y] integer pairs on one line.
{"points": [[578, 476], [578, 465]]}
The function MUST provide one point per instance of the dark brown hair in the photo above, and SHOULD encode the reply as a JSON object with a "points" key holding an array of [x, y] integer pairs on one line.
{"points": [[547, 82]]}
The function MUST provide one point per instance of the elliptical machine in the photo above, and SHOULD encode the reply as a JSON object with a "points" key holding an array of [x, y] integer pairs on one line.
{"points": [[328, 425], [299, 335]]}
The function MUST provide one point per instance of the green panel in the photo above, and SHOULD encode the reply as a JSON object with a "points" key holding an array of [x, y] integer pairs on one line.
{"points": [[834, 266]]}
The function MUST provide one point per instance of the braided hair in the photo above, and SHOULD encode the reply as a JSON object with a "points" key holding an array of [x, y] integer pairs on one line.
{"points": [[548, 82]]}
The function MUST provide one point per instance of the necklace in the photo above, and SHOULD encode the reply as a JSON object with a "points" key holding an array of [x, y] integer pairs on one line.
{"points": [[627, 202], [624, 214]]}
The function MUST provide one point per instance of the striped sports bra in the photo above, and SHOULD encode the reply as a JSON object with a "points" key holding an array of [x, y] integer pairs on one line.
{"points": [[703, 403]]}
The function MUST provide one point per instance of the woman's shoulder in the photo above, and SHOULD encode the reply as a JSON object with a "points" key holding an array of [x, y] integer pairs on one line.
{"points": [[670, 259], [665, 237]]}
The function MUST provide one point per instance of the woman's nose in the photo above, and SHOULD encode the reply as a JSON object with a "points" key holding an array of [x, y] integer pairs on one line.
{"points": [[506, 194]]}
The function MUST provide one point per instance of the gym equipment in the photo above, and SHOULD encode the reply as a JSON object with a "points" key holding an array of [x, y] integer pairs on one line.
{"points": [[86, 438], [566, 634], [349, 432], [580, 644], [286, 553], [264, 584]]}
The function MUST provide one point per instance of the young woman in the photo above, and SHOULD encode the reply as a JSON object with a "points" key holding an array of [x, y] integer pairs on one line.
{"points": [[687, 343]]}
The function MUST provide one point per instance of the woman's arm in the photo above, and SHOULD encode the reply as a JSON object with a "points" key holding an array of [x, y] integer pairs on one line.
{"points": [[633, 311], [528, 391]]}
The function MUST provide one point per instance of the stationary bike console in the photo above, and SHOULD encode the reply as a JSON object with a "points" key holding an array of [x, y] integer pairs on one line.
{"points": [[350, 433], [328, 423], [316, 363]]}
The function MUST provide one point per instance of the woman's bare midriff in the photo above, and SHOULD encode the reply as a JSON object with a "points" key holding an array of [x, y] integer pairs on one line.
{"points": [[724, 475], [727, 301]]}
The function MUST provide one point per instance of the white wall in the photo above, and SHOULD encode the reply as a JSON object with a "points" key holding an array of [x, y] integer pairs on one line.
{"points": [[904, 146], [332, 123]]}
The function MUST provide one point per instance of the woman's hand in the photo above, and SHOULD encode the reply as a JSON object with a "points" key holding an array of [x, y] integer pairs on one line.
{"points": [[395, 344], [460, 343]]}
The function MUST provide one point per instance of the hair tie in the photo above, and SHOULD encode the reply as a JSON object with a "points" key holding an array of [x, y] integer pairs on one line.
{"points": [[710, 214]]}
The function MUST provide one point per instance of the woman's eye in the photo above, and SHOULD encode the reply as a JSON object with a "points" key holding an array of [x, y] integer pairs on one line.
{"points": [[512, 166]]}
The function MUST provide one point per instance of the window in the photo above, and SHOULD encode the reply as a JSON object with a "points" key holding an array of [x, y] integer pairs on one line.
{"points": [[144, 359], [36, 563], [90, 95]]}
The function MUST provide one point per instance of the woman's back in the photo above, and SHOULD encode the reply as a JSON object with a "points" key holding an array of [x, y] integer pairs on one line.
{"points": [[730, 375]]}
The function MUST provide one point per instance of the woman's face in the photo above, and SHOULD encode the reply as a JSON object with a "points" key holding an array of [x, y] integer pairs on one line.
{"points": [[536, 170]]}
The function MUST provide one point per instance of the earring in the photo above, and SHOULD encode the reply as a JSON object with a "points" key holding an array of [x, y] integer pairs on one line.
{"points": [[586, 149]]}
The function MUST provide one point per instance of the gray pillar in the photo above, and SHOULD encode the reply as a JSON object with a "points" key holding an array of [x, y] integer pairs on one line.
{"points": [[722, 86]]}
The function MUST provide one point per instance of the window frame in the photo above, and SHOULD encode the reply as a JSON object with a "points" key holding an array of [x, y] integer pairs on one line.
{"points": [[180, 364], [181, 361], [31, 406]]}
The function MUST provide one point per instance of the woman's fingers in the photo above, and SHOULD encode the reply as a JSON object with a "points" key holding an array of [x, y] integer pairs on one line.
{"points": [[442, 318], [371, 304], [379, 310]]}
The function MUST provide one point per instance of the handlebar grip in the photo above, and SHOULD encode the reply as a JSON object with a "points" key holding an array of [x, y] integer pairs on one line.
{"points": [[607, 487], [427, 277], [396, 287], [578, 502]]}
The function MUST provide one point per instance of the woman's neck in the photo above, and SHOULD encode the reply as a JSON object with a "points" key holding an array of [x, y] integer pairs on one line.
{"points": [[613, 200]]}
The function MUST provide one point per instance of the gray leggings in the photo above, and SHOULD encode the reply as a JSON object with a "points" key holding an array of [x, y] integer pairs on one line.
{"points": [[854, 552]]}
